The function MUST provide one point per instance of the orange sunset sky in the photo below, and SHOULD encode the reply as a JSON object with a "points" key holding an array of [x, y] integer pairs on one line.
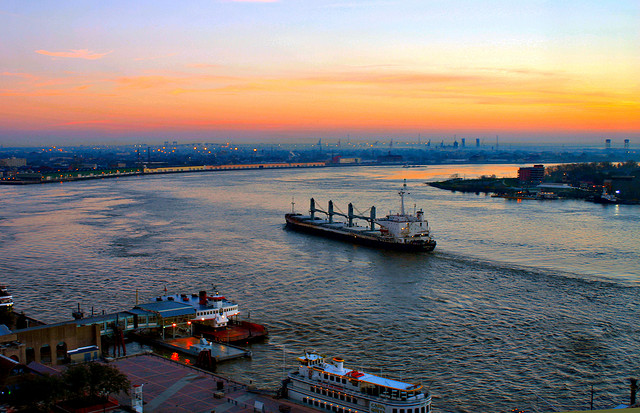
{"points": [[296, 70]]}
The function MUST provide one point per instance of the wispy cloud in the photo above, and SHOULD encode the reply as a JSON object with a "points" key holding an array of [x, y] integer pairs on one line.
{"points": [[145, 82], [19, 74], [252, 1], [75, 54], [155, 57], [85, 122], [204, 66]]}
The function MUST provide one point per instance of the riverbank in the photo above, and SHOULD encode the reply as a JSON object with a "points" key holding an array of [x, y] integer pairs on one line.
{"points": [[508, 187]]}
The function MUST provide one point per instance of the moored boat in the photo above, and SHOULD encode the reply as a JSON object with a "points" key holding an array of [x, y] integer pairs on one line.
{"points": [[6, 299], [214, 310], [401, 231], [216, 318], [332, 387]]}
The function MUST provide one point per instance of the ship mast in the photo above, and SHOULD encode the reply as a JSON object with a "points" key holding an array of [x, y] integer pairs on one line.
{"points": [[401, 193]]}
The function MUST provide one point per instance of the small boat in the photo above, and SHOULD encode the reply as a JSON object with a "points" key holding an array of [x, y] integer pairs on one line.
{"points": [[328, 385], [6, 299], [402, 231], [605, 198]]}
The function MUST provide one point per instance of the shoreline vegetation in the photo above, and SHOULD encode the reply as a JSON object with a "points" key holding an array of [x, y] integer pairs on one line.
{"points": [[603, 182]]}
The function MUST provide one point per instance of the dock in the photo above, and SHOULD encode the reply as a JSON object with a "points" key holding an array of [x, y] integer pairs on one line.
{"points": [[219, 351]]}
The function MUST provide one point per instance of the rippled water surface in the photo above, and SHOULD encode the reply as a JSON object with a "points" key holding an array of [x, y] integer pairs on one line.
{"points": [[523, 304]]}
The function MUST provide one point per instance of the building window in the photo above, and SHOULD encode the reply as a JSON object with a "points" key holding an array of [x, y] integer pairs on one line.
{"points": [[61, 351], [30, 354], [45, 354]]}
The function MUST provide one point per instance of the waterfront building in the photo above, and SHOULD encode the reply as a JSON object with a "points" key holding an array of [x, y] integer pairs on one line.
{"points": [[531, 175]]}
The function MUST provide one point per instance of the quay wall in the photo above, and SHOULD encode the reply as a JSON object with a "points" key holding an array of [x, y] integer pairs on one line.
{"points": [[49, 344]]}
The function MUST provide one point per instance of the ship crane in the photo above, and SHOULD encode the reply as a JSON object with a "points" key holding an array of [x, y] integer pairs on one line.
{"points": [[350, 215]]}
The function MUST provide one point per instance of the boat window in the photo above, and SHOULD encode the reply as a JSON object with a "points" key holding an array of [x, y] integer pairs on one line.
{"points": [[401, 410], [395, 411]]}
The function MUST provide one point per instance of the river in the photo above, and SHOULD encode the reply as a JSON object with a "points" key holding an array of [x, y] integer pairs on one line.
{"points": [[522, 304]]}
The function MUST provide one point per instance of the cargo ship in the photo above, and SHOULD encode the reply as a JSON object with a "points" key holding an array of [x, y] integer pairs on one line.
{"points": [[402, 231], [332, 387]]}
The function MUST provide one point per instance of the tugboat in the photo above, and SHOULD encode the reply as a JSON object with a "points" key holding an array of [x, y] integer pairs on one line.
{"points": [[604, 198], [332, 387], [6, 299], [401, 231]]}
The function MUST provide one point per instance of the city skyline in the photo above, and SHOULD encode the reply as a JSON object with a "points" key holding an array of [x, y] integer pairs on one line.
{"points": [[111, 73]]}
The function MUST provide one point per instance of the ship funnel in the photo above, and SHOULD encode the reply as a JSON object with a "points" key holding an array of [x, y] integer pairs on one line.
{"points": [[339, 363], [203, 297]]}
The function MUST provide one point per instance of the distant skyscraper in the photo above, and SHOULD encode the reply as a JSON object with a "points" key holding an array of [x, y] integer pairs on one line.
{"points": [[462, 142], [607, 143], [626, 143], [477, 142]]}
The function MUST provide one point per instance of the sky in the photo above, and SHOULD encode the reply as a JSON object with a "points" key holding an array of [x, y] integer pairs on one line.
{"points": [[82, 72]]}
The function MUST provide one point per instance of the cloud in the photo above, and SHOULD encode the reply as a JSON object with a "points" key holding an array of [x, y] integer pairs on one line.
{"points": [[85, 122], [253, 1], [21, 75], [155, 57], [204, 66], [75, 54], [145, 82]]}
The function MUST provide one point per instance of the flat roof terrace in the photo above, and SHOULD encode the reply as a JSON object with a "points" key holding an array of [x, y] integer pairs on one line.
{"points": [[175, 388]]}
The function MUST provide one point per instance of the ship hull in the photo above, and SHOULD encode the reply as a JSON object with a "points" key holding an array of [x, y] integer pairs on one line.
{"points": [[241, 331], [298, 223]]}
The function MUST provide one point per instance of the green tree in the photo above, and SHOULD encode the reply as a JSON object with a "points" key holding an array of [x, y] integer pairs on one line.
{"points": [[95, 382]]}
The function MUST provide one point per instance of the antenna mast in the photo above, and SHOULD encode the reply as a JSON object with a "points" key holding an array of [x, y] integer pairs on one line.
{"points": [[401, 193]]}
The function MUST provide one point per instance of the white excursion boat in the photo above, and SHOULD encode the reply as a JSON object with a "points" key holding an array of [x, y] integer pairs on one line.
{"points": [[214, 309], [402, 231], [332, 387], [6, 299]]}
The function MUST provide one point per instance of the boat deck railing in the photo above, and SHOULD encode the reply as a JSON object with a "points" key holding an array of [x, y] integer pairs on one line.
{"points": [[390, 394]]}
